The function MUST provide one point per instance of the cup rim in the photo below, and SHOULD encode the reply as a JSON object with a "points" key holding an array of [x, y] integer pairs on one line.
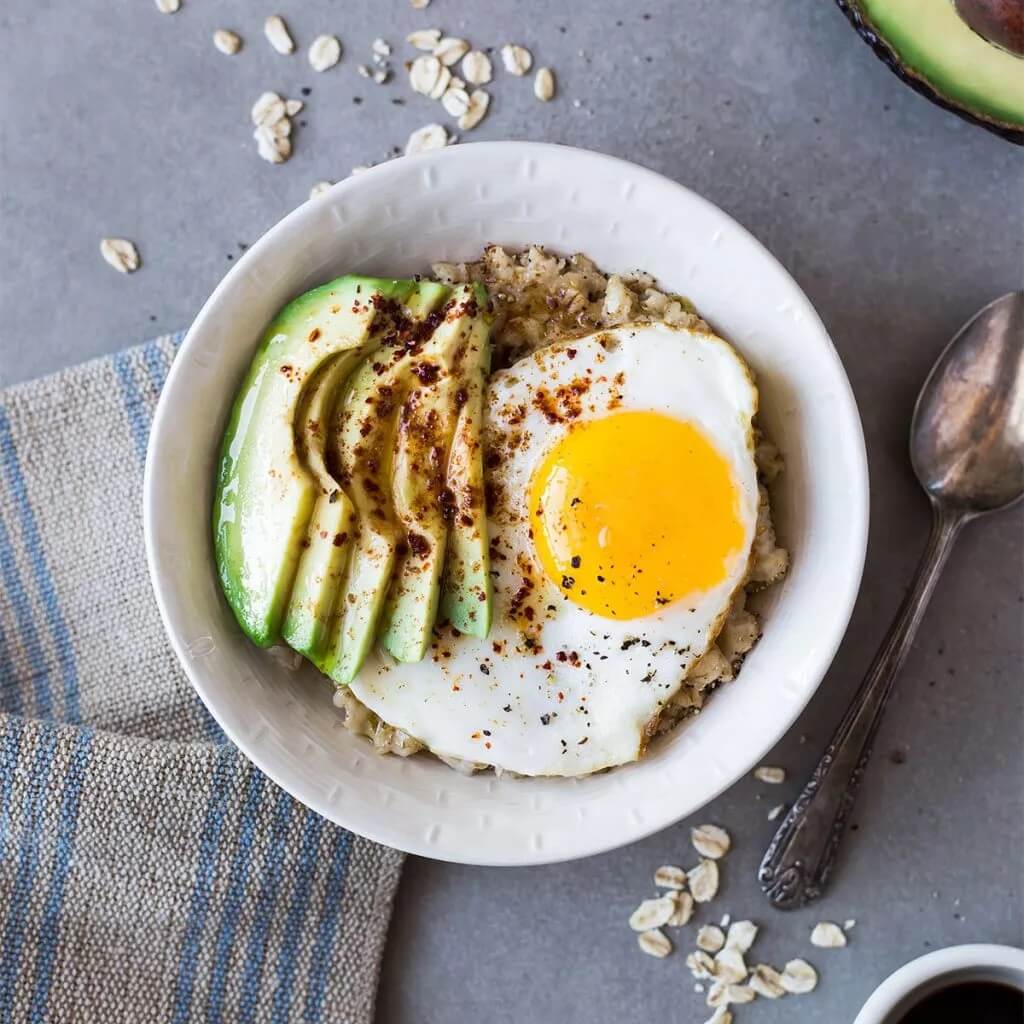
{"points": [[917, 973]]}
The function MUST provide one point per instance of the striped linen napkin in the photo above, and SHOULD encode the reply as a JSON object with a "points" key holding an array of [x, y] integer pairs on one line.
{"points": [[147, 871]]}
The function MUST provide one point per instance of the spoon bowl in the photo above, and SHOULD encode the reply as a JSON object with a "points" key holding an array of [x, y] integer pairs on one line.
{"points": [[967, 434]]}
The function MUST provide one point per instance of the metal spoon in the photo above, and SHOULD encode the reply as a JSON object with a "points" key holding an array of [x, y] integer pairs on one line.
{"points": [[967, 449]]}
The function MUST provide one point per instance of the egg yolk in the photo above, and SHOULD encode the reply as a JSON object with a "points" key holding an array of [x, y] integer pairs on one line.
{"points": [[634, 511]]}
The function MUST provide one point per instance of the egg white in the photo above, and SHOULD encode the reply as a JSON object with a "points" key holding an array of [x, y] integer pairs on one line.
{"points": [[497, 701]]}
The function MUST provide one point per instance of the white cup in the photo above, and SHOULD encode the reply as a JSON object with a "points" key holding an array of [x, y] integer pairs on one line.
{"points": [[925, 975]]}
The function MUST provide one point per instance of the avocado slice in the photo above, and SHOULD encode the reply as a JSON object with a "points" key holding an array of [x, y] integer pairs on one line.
{"points": [[959, 54], [265, 493], [326, 547], [365, 439], [424, 494], [466, 598], [322, 565]]}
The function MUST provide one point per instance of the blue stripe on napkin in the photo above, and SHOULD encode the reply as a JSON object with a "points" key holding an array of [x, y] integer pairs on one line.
{"points": [[41, 570]]}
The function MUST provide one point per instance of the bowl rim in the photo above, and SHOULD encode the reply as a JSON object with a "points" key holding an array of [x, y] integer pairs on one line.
{"points": [[856, 526]]}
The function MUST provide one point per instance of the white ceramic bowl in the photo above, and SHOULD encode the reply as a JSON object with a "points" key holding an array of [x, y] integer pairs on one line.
{"points": [[394, 220], [914, 981]]}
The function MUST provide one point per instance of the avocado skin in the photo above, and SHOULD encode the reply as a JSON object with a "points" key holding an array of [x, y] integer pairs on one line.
{"points": [[864, 28], [258, 613]]}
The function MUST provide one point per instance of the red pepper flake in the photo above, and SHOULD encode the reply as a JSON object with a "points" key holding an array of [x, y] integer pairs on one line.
{"points": [[314, 334], [419, 545], [475, 736], [339, 539], [561, 696], [456, 687]]}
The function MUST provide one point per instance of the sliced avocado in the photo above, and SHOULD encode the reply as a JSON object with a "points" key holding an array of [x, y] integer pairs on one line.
{"points": [[423, 492], [265, 493], [322, 564], [365, 439], [959, 54], [325, 555], [466, 599]]}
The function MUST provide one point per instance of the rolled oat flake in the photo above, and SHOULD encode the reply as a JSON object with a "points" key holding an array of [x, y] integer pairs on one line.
{"points": [[324, 53], [517, 59], [654, 943], [278, 35], [228, 42], [120, 254], [544, 85]]}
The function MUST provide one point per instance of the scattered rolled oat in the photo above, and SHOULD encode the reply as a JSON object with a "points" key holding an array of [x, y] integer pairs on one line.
{"points": [[320, 188], [168, 6], [710, 841], [268, 109], [652, 914], [703, 880], [798, 977], [227, 42], [365, 71], [776, 811], [272, 143], [718, 995], [381, 47], [292, 107], [278, 35], [430, 136], [654, 943], [381, 75], [450, 51], [424, 39], [827, 935], [668, 876], [848, 924], [544, 85], [724, 922], [739, 994], [701, 965], [729, 965], [710, 938], [517, 59], [120, 254], [766, 773], [478, 103], [425, 73], [683, 908], [476, 66], [272, 117], [455, 101], [741, 935], [419, 4], [324, 53], [766, 981]]}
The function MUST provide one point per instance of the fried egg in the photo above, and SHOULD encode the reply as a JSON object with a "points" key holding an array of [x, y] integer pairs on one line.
{"points": [[622, 504]]}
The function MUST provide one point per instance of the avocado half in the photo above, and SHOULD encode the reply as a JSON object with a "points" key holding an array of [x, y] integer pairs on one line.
{"points": [[964, 55]]}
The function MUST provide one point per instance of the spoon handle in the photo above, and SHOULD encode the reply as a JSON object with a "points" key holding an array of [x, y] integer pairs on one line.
{"points": [[802, 853]]}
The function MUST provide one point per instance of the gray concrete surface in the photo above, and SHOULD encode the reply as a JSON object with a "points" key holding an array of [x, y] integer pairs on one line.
{"points": [[898, 220]]}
